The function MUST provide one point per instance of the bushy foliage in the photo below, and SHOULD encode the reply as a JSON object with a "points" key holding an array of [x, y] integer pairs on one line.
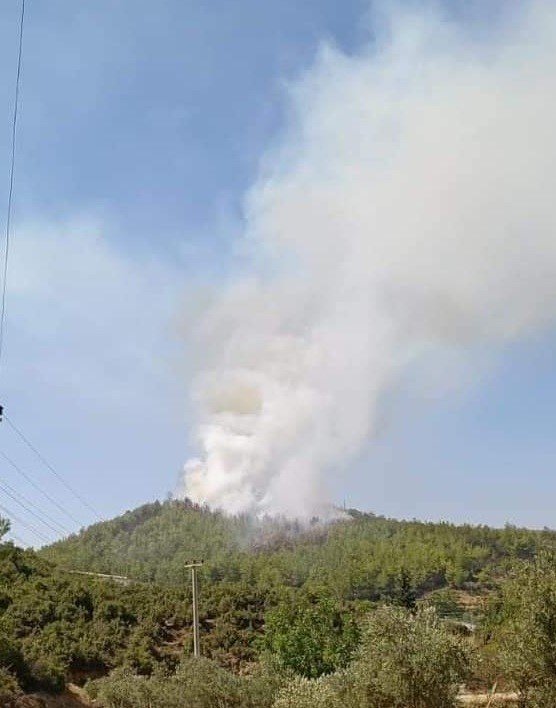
{"points": [[233, 617], [53, 624], [406, 660], [197, 683], [525, 615], [324, 692], [266, 586], [311, 634], [411, 660]]}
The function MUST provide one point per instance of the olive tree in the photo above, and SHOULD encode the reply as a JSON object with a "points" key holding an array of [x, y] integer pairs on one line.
{"points": [[406, 660], [527, 631]]}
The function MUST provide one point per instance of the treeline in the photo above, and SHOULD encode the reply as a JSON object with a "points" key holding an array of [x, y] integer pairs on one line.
{"points": [[289, 614], [359, 557]]}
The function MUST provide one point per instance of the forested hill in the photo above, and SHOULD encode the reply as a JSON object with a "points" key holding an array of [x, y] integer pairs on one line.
{"points": [[273, 595], [359, 557]]}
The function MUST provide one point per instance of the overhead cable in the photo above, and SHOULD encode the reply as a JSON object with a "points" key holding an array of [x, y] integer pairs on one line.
{"points": [[11, 183], [51, 468], [14, 494], [32, 482], [27, 509], [5, 279], [17, 539], [25, 525]]}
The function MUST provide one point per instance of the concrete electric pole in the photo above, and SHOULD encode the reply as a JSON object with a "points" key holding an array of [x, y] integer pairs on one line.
{"points": [[195, 596]]}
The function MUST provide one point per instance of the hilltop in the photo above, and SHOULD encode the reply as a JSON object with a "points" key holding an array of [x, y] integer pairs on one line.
{"points": [[359, 556]]}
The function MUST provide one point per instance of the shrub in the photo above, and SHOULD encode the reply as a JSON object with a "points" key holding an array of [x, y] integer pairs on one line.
{"points": [[44, 669], [198, 683], [301, 692], [10, 655], [405, 660], [527, 631], [9, 688], [45, 673], [311, 636], [409, 660]]}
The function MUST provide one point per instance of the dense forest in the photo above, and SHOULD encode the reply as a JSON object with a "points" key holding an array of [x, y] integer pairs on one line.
{"points": [[290, 615], [358, 557]]}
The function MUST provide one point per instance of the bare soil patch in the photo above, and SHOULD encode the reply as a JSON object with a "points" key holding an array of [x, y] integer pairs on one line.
{"points": [[72, 697], [488, 699]]}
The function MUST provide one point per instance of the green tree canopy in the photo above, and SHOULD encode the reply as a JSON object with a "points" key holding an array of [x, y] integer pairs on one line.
{"points": [[311, 635]]}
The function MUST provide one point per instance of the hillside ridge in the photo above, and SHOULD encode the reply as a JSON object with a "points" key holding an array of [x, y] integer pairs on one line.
{"points": [[154, 541]]}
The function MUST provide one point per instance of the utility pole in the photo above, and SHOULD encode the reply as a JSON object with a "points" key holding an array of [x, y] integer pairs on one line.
{"points": [[195, 596]]}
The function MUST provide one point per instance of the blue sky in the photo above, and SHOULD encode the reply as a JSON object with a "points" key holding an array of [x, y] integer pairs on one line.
{"points": [[142, 125]]}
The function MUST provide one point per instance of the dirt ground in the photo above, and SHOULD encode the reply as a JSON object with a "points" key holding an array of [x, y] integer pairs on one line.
{"points": [[72, 697], [75, 697], [488, 699]]}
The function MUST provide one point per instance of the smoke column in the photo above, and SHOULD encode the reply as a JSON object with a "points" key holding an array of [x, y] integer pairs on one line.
{"points": [[408, 209]]}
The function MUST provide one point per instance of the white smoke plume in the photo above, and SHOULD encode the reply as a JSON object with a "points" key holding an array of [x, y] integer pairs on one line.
{"points": [[410, 208]]}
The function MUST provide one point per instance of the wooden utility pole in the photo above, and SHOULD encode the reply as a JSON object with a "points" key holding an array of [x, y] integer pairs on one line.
{"points": [[195, 596]]}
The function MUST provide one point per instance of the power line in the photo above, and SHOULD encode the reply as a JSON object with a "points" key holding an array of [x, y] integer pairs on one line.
{"points": [[17, 539], [52, 470], [5, 282], [46, 495], [11, 189], [10, 491], [3, 311], [23, 504], [25, 525]]}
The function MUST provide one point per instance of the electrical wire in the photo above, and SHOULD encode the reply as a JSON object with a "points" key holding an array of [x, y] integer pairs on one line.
{"points": [[10, 491], [25, 525], [11, 188], [5, 282], [17, 539], [52, 470], [27, 509], [31, 481]]}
